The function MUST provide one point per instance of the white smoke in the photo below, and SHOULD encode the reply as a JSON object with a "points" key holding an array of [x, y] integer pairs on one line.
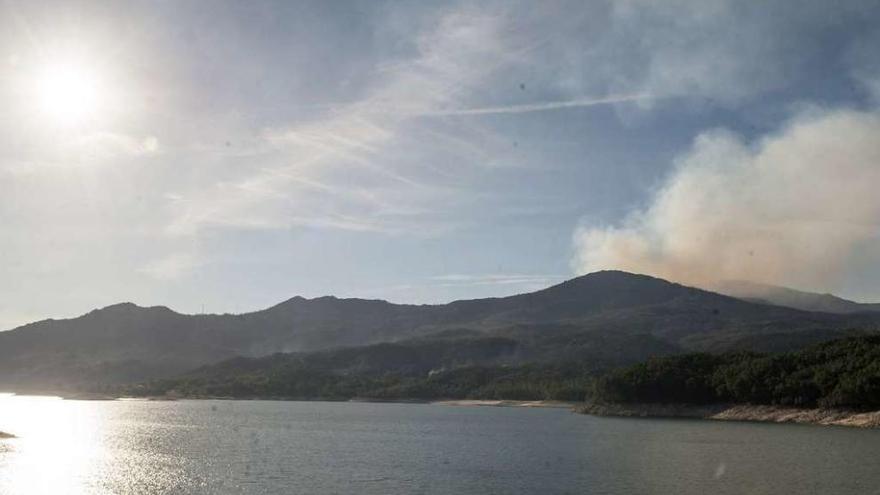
{"points": [[794, 208]]}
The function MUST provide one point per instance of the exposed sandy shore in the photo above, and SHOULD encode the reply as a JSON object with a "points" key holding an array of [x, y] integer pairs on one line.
{"points": [[506, 403], [722, 412]]}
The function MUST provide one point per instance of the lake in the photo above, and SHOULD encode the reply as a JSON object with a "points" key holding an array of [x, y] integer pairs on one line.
{"points": [[268, 447]]}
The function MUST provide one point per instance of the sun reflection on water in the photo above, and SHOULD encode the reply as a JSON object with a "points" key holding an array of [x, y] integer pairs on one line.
{"points": [[58, 447]]}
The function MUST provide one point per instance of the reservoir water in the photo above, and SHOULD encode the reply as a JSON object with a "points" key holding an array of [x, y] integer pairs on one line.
{"points": [[267, 447]]}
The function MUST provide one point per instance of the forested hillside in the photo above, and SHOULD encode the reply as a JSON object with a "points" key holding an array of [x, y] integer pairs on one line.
{"points": [[841, 373]]}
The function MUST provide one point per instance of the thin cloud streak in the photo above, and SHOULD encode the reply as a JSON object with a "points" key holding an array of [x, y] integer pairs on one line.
{"points": [[459, 52], [542, 107], [465, 280]]}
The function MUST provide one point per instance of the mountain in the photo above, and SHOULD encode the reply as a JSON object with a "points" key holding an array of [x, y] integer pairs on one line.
{"points": [[791, 298], [604, 316]]}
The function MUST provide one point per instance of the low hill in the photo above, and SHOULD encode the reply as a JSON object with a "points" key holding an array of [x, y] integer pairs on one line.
{"points": [[586, 317], [841, 373], [791, 298]]}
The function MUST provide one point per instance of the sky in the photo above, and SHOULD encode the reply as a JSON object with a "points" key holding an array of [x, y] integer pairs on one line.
{"points": [[218, 157]]}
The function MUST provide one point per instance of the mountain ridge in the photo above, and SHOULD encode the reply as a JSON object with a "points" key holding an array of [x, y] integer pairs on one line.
{"points": [[587, 317], [793, 298]]}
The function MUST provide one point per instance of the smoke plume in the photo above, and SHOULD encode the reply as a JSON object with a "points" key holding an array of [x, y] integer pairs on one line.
{"points": [[797, 208]]}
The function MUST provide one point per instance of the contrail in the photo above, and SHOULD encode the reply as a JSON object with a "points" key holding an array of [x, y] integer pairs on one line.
{"points": [[541, 107]]}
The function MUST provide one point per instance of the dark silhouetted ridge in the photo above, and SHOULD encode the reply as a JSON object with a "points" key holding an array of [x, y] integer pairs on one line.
{"points": [[599, 316]]}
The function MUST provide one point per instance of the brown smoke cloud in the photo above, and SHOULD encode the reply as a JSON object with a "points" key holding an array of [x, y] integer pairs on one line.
{"points": [[791, 209]]}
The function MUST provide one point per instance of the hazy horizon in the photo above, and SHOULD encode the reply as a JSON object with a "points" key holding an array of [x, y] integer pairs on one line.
{"points": [[223, 157]]}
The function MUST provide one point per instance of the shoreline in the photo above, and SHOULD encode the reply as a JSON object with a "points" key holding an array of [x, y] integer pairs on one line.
{"points": [[4, 435], [713, 412], [440, 402], [738, 412], [553, 404]]}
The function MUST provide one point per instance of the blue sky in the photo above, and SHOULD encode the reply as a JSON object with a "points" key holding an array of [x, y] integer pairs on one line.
{"points": [[229, 155]]}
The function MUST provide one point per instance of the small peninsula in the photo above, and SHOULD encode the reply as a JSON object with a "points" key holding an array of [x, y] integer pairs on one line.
{"points": [[833, 383], [725, 412]]}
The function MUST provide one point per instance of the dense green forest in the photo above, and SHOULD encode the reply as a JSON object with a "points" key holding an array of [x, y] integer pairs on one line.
{"points": [[449, 365], [840, 373], [570, 383]]}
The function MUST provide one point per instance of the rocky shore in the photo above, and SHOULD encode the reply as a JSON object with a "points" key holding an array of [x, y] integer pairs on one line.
{"points": [[726, 412]]}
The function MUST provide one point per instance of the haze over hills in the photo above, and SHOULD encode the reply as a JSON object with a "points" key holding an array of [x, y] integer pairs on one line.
{"points": [[792, 298], [605, 317]]}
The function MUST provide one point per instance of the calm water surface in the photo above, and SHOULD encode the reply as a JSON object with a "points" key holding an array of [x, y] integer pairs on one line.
{"points": [[317, 447]]}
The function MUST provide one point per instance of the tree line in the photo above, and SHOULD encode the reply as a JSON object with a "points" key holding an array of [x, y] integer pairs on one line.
{"points": [[528, 382], [840, 373]]}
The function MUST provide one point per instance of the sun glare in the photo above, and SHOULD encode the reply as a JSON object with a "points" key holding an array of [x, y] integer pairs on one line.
{"points": [[68, 94]]}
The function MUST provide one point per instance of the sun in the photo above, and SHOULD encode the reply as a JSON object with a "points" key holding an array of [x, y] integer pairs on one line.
{"points": [[68, 94]]}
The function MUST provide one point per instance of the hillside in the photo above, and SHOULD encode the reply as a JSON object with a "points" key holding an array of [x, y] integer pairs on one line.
{"points": [[589, 317], [451, 365], [791, 298], [840, 373]]}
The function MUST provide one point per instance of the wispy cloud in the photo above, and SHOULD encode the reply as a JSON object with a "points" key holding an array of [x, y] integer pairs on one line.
{"points": [[347, 146], [543, 106], [213, 132], [463, 280]]}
